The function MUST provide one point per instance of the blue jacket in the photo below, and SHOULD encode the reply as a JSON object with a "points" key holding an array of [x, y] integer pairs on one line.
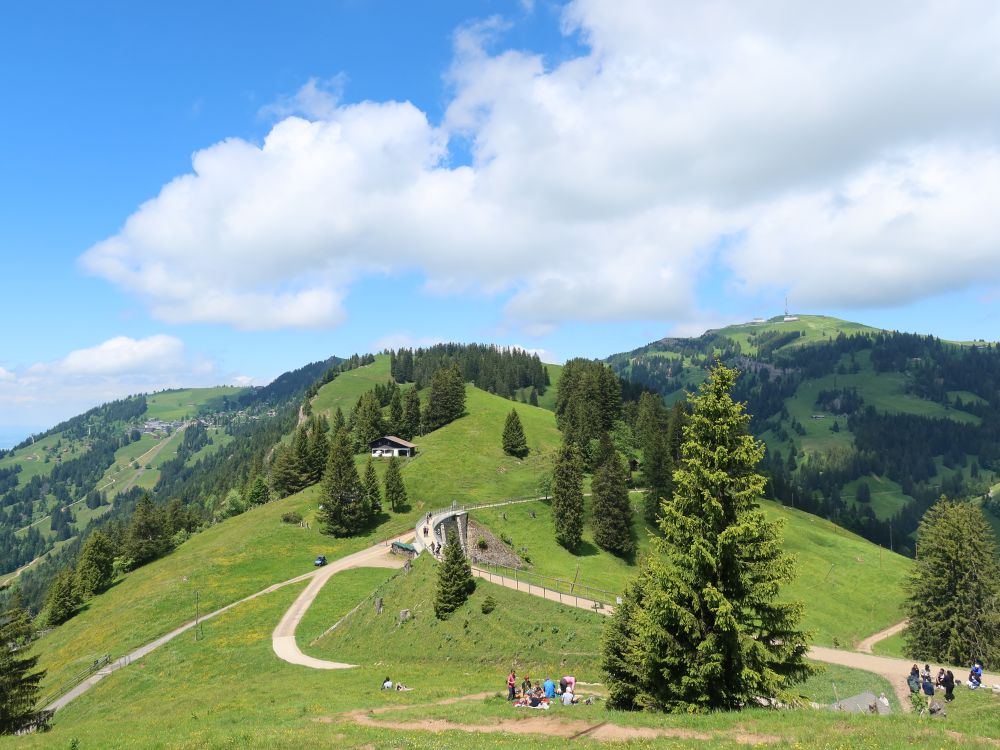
{"points": [[550, 688]]}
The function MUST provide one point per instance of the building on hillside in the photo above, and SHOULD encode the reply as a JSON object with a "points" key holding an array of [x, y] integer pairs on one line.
{"points": [[390, 445]]}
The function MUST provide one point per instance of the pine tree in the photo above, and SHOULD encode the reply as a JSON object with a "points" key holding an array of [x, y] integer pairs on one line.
{"points": [[395, 489], [701, 627], [514, 442], [95, 569], [339, 423], [319, 448], [953, 591], [62, 599], [343, 509], [612, 509], [446, 401], [147, 537], [455, 581], [395, 413], [284, 473], [657, 470], [373, 492], [533, 396], [18, 683], [567, 496], [256, 492], [368, 422], [411, 415]]}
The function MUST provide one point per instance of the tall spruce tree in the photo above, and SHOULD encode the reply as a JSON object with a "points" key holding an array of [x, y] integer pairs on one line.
{"points": [[657, 471], [411, 415], [455, 581], [147, 537], [62, 599], [612, 510], [701, 627], [567, 496], [395, 489], [344, 510], [395, 413], [256, 492], [953, 591], [514, 442], [339, 423], [373, 491], [18, 682], [95, 569], [446, 401], [368, 422]]}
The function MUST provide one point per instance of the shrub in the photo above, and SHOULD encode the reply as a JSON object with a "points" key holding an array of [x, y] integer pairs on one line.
{"points": [[482, 544], [291, 517], [489, 604]]}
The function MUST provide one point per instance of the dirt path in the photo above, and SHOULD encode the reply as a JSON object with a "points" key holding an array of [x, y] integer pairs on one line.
{"points": [[535, 722], [283, 638], [867, 643]]}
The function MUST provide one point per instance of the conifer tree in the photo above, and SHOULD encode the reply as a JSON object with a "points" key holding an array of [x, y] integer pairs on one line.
{"points": [[533, 396], [284, 473], [701, 627], [567, 496], [612, 510], [953, 591], [455, 581], [257, 492], [368, 422], [373, 491], [657, 470], [411, 415], [339, 423], [62, 599], [18, 683], [319, 449], [446, 401], [147, 537], [514, 442], [395, 413], [395, 489], [95, 569], [343, 510]]}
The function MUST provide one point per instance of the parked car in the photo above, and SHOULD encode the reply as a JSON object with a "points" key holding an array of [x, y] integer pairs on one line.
{"points": [[320, 561]]}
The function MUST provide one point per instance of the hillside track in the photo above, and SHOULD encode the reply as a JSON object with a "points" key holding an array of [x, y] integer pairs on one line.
{"points": [[866, 645], [283, 638]]}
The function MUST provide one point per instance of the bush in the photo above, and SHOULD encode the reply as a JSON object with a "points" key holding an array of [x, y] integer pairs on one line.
{"points": [[489, 604], [291, 517], [482, 544]]}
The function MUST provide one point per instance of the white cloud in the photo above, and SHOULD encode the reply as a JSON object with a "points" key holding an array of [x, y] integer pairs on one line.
{"points": [[845, 166], [48, 392], [124, 355]]}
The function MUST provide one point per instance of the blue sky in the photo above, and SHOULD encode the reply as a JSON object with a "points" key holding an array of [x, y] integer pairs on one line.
{"points": [[197, 193]]}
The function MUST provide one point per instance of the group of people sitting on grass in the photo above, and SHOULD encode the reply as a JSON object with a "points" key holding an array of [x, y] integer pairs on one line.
{"points": [[541, 695], [921, 681]]}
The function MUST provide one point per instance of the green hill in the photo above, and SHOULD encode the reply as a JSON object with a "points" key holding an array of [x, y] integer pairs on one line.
{"points": [[832, 398]]}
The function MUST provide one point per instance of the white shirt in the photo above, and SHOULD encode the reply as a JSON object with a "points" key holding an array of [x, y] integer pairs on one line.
{"points": [[567, 698]]}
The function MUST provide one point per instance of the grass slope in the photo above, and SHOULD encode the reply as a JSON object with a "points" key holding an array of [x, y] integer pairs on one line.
{"points": [[813, 329], [345, 389], [464, 461], [185, 402], [851, 588], [229, 690]]}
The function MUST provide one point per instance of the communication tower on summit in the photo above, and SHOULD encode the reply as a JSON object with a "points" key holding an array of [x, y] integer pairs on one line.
{"points": [[789, 318]]}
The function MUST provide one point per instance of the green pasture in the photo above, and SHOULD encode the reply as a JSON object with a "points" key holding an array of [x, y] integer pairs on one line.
{"points": [[185, 402], [345, 389], [851, 588]]}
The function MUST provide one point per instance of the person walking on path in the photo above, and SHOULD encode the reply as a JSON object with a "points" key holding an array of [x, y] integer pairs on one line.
{"points": [[511, 682]]}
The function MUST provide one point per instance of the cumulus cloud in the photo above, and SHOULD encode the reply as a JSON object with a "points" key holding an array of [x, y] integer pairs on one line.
{"points": [[842, 167], [47, 392]]}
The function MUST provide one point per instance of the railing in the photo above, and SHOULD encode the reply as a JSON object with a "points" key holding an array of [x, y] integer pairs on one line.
{"points": [[75, 680], [566, 592]]}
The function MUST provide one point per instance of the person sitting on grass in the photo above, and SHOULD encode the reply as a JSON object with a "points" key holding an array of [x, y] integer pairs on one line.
{"points": [[976, 676], [549, 687], [387, 685], [568, 698], [526, 684]]}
